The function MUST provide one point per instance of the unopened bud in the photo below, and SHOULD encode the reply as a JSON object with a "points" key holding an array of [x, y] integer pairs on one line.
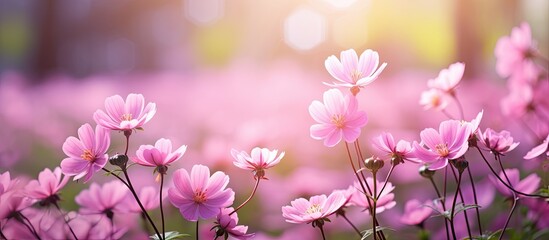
{"points": [[355, 90], [118, 160], [425, 172], [373, 164], [162, 169], [460, 163]]}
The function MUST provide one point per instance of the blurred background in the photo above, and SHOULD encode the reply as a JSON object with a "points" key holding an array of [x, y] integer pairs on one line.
{"points": [[240, 74]]}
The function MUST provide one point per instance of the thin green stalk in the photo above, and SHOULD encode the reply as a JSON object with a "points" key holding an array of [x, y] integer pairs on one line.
{"points": [[476, 201], [249, 198], [454, 206], [443, 206], [197, 229], [161, 208]]}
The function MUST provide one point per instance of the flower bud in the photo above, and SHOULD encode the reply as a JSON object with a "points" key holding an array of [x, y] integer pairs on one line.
{"points": [[460, 163], [425, 172], [373, 163], [162, 169], [118, 160]]}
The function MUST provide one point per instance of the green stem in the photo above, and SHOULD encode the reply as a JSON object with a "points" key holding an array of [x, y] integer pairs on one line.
{"points": [[476, 201], [66, 222], [454, 207], [374, 173], [322, 231], [161, 208], [249, 198], [515, 198], [443, 206], [197, 229]]}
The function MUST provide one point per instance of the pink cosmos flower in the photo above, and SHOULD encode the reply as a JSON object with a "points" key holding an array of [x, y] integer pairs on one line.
{"points": [[106, 199], [539, 150], [353, 72], [87, 153], [397, 152], [433, 98], [227, 225], [337, 118], [148, 197], [528, 185], [48, 185], [450, 142], [448, 78], [318, 207], [497, 143], [385, 198], [513, 51], [415, 212], [158, 155], [260, 159], [125, 116], [198, 195]]}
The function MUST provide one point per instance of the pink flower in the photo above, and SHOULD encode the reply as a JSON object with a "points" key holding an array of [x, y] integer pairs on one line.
{"points": [[415, 212], [528, 185], [497, 143], [353, 72], [433, 98], [125, 116], [450, 142], [539, 149], [48, 185], [385, 198], [87, 153], [396, 152], [227, 225], [160, 154], [198, 195], [513, 51], [148, 197], [337, 118], [260, 159], [448, 78], [107, 199], [318, 207]]}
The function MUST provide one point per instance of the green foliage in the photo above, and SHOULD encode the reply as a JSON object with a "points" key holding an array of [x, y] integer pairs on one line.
{"points": [[171, 235]]}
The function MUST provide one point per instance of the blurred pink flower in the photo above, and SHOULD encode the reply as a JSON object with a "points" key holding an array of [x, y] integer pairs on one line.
{"points": [[337, 118], [260, 159], [125, 116], [226, 225], [415, 212], [450, 142], [353, 72], [539, 149], [198, 195], [448, 78], [433, 98], [87, 153], [514, 50], [48, 185], [397, 152], [385, 198], [318, 207], [159, 155], [148, 197], [528, 185], [497, 143], [106, 199]]}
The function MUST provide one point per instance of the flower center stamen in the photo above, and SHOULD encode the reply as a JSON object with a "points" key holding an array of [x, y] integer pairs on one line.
{"points": [[314, 208], [199, 197], [87, 155], [127, 117], [356, 75], [338, 120], [442, 150]]}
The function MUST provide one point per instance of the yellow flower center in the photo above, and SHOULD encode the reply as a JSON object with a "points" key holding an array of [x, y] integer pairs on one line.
{"points": [[338, 120], [87, 155], [127, 117], [314, 208], [199, 196], [442, 149]]}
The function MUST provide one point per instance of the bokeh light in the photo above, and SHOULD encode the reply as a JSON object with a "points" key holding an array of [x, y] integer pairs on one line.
{"points": [[304, 29]]}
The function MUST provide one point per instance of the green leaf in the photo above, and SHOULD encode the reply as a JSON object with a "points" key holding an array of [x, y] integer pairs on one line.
{"points": [[367, 233], [171, 235]]}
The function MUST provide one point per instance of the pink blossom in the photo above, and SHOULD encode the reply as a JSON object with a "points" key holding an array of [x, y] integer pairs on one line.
{"points": [[148, 197], [528, 185], [353, 72], [318, 207], [385, 198], [124, 116], [337, 118], [160, 154], [513, 51], [198, 195], [48, 185], [106, 199], [87, 153], [448, 78], [415, 212], [260, 159], [227, 225], [497, 143], [450, 142], [539, 149], [433, 98], [397, 152]]}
